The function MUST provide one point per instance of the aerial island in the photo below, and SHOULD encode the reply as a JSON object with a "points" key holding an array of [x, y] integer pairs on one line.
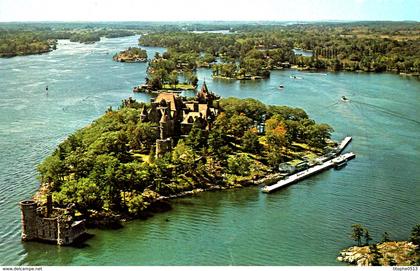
{"points": [[132, 160], [131, 55]]}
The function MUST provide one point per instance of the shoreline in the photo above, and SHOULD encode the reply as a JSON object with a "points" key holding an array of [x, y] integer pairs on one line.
{"points": [[161, 204], [380, 254]]}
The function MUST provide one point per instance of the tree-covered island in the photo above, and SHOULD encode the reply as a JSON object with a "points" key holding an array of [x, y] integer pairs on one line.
{"points": [[165, 71], [36, 38], [130, 159], [132, 54], [251, 51]]}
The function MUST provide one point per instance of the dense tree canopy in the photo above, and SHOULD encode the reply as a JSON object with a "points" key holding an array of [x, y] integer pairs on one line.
{"points": [[250, 51], [107, 166]]}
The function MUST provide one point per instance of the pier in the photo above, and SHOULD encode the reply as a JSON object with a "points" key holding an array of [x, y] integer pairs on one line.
{"points": [[343, 144], [334, 159], [309, 172]]}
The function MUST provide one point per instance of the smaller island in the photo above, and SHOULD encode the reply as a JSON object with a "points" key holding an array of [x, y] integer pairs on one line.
{"points": [[165, 71], [131, 55], [385, 253]]}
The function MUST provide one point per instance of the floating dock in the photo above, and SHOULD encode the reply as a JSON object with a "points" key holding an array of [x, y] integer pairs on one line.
{"points": [[309, 172]]}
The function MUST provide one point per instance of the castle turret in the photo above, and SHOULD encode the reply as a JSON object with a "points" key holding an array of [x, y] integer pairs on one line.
{"points": [[164, 124], [29, 220]]}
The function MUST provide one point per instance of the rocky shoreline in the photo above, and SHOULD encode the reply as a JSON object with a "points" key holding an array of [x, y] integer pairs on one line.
{"points": [[382, 254]]}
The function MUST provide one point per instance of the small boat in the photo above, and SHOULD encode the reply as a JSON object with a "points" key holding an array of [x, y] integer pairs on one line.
{"points": [[339, 162], [340, 165], [281, 86], [344, 99]]}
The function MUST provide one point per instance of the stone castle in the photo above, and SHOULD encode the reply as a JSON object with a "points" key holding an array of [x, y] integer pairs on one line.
{"points": [[176, 116], [53, 226]]}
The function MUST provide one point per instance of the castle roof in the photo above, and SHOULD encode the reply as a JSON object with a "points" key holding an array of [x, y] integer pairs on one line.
{"points": [[204, 88], [191, 117], [165, 117], [169, 98]]}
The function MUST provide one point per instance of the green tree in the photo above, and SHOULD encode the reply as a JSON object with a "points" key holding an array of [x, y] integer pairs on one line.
{"points": [[183, 157], [385, 237], [239, 124], [173, 79], [135, 202], [357, 233], [367, 237], [144, 136], [415, 235], [53, 171], [84, 193], [376, 255], [218, 144], [239, 164], [196, 139], [250, 141]]}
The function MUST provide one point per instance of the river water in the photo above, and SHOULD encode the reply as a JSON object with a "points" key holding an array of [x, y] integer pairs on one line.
{"points": [[304, 224]]}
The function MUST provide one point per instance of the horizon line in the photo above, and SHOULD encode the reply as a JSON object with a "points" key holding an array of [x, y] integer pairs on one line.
{"points": [[208, 21]]}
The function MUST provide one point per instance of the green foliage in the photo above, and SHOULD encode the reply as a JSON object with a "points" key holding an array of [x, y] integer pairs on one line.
{"points": [[357, 233], [253, 51], [104, 166], [376, 255], [385, 237], [32, 38], [251, 108], [132, 54], [251, 142], [183, 156], [144, 136], [317, 134], [239, 124], [169, 67], [415, 235], [196, 139], [84, 193], [239, 164], [367, 237], [135, 202], [218, 144]]}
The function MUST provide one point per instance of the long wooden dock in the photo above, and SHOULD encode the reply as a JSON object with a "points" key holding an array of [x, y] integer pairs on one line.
{"points": [[346, 141], [311, 171]]}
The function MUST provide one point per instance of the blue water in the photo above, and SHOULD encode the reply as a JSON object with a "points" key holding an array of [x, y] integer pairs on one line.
{"points": [[305, 224], [302, 52]]}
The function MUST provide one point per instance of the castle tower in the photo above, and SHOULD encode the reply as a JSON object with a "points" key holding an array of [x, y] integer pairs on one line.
{"points": [[165, 125], [29, 220]]}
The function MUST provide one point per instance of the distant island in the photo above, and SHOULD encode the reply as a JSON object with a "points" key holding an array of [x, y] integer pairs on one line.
{"points": [[248, 51], [130, 161], [131, 55], [165, 70], [35, 38], [251, 52], [385, 253]]}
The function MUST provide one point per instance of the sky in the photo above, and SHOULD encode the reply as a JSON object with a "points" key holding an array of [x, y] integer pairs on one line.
{"points": [[210, 10]]}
